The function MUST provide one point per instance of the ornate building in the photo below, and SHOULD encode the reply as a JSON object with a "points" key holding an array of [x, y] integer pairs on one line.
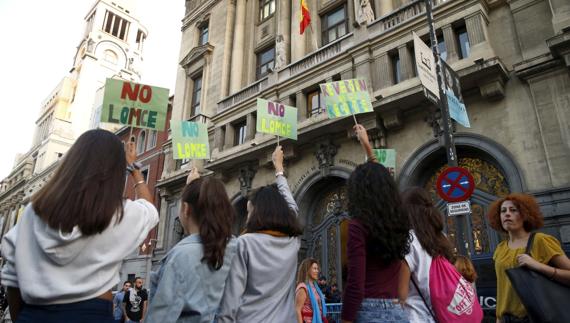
{"points": [[111, 46], [513, 59]]}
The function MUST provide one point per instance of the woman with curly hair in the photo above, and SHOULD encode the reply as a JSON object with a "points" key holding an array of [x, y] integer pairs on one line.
{"points": [[428, 242], [310, 303], [378, 240], [190, 281], [518, 215]]}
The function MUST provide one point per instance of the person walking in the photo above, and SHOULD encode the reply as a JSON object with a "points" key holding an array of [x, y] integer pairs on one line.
{"points": [[118, 302], [518, 215], [309, 299], [260, 286], [135, 302], [378, 240], [75, 234], [188, 286]]}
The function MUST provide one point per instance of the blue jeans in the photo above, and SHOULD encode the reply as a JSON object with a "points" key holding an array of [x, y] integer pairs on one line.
{"points": [[376, 310], [90, 311]]}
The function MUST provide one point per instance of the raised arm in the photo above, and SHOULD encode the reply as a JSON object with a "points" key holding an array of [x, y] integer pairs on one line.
{"points": [[362, 136], [141, 189], [281, 181]]}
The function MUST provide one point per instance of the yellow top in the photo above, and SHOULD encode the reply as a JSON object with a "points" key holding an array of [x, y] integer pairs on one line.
{"points": [[543, 249]]}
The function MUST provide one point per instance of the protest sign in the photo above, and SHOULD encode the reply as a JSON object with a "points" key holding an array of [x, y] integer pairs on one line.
{"points": [[346, 97], [452, 89], [426, 68], [135, 105], [387, 157], [190, 140], [276, 119]]}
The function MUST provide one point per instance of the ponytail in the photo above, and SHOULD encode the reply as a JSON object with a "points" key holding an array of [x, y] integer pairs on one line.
{"points": [[214, 215]]}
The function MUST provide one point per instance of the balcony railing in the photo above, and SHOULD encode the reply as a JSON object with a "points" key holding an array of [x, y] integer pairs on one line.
{"points": [[243, 94], [323, 54], [405, 13]]}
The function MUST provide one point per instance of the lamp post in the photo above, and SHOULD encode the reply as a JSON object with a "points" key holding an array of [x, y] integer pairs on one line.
{"points": [[448, 142]]}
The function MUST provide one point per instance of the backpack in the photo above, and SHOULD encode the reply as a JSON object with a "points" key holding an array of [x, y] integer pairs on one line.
{"points": [[453, 298]]}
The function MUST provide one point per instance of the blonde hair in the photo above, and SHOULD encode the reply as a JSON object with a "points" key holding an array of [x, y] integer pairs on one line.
{"points": [[466, 268]]}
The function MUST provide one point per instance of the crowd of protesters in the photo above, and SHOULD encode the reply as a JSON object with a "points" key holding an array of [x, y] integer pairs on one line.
{"points": [[62, 258]]}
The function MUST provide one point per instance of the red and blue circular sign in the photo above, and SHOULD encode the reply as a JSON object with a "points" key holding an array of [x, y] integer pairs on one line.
{"points": [[455, 184]]}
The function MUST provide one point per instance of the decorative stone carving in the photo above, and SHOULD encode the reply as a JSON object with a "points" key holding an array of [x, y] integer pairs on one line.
{"points": [[325, 155], [363, 12], [246, 175], [90, 44], [280, 53]]}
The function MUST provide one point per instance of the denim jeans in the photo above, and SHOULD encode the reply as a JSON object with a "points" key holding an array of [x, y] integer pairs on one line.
{"points": [[89, 311], [376, 310]]}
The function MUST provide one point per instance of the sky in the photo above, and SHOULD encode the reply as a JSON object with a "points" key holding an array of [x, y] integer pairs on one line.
{"points": [[39, 41]]}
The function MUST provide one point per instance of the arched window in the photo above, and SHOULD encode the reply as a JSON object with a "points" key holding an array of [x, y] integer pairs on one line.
{"points": [[141, 140], [110, 57]]}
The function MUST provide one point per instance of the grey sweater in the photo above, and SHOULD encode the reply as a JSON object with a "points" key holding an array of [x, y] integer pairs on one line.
{"points": [[260, 286]]}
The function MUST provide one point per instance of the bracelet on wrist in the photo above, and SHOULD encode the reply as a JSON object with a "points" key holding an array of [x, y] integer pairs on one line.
{"points": [[142, 181], [279, 174]]}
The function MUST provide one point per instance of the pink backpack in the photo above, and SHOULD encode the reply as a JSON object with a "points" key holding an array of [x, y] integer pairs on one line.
{"points": [[453, 298]]}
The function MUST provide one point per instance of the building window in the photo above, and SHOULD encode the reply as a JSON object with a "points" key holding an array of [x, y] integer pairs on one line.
{"points": [[203, 34], [441, 47], [144, 173], [240, 133], [335, 25], [463, 41], [396, 68], [151, 142], [110, 57], [116, 26], [315, 103], [265, 61], [141, 140], [141, 37], [266, 9], [196, 95]]}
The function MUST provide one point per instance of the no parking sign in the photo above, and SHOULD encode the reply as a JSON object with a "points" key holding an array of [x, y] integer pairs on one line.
{"points": [[455, 184]]}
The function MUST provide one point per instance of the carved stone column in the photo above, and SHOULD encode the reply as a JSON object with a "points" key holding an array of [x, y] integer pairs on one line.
{"points": [[560, 15], [382, 77], [475, 29], [251, 127], [301, 103], [383, 7], [284, 33], [219, 138], [450, 43], [238, 48], [229, 138], [325, 156], [406, 65]]}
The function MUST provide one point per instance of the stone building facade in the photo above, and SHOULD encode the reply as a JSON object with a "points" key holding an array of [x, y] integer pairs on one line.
{"points": [[513, 59]]}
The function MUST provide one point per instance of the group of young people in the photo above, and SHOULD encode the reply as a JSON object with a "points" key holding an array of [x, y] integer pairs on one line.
{"points": [[66, 242]]}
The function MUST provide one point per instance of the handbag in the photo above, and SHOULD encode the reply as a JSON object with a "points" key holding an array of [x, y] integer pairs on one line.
{"points": [[545, 300]]}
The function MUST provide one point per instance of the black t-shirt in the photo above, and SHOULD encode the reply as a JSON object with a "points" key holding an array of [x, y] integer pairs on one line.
{"points": [[134, 306]]}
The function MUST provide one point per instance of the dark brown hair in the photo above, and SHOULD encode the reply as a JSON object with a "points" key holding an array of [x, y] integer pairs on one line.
{"points": [[271, 212], [214, 214], [427, 222], [465, 267], [527, 206], [87, 187], [304, 268]]}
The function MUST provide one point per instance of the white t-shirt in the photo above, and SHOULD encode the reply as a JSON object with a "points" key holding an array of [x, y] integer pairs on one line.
{"points": [[419, 262]]}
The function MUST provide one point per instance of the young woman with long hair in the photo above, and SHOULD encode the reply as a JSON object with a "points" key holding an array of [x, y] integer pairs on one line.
{"points": [[260, 286], [428, 242], [64, 254], [189, 284], [309, 298], [378, 240], [518, 214]]}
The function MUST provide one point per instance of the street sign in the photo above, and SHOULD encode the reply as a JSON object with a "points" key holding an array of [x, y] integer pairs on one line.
{"points": [[426, 66], [458, 208], [455, 184]]}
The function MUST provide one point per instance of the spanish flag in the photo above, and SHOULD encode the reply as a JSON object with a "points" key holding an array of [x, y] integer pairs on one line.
{"points": [[305, 16]]}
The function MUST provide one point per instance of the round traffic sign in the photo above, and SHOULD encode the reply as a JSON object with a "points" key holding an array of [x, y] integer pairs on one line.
{"points": [[455, 184]]}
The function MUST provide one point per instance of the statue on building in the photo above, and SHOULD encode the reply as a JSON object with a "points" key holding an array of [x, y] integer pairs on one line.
{"points": [[280, 53], [364, 12]]}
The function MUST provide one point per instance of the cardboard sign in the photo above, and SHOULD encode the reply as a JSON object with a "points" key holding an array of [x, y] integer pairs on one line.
{"points": [[276, 119], [426, 67], [387, 157], [135, 105], [345, 98], [190, 140]]}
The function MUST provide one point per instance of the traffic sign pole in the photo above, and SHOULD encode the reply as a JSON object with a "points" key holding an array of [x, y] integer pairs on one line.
{"points": [[448, 141]]}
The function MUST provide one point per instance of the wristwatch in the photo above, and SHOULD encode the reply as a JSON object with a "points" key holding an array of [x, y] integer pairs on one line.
{"points": [[134, 166]]}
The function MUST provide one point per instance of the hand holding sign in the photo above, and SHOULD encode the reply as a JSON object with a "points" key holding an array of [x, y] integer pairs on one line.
{"points": [[130, 152], [193, 175], [277, 159]]}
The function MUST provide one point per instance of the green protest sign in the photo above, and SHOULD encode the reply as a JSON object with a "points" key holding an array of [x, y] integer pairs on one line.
{"points": [[190, 140], [276, 119], [135, 105], [346, 97], [387, 157]]}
